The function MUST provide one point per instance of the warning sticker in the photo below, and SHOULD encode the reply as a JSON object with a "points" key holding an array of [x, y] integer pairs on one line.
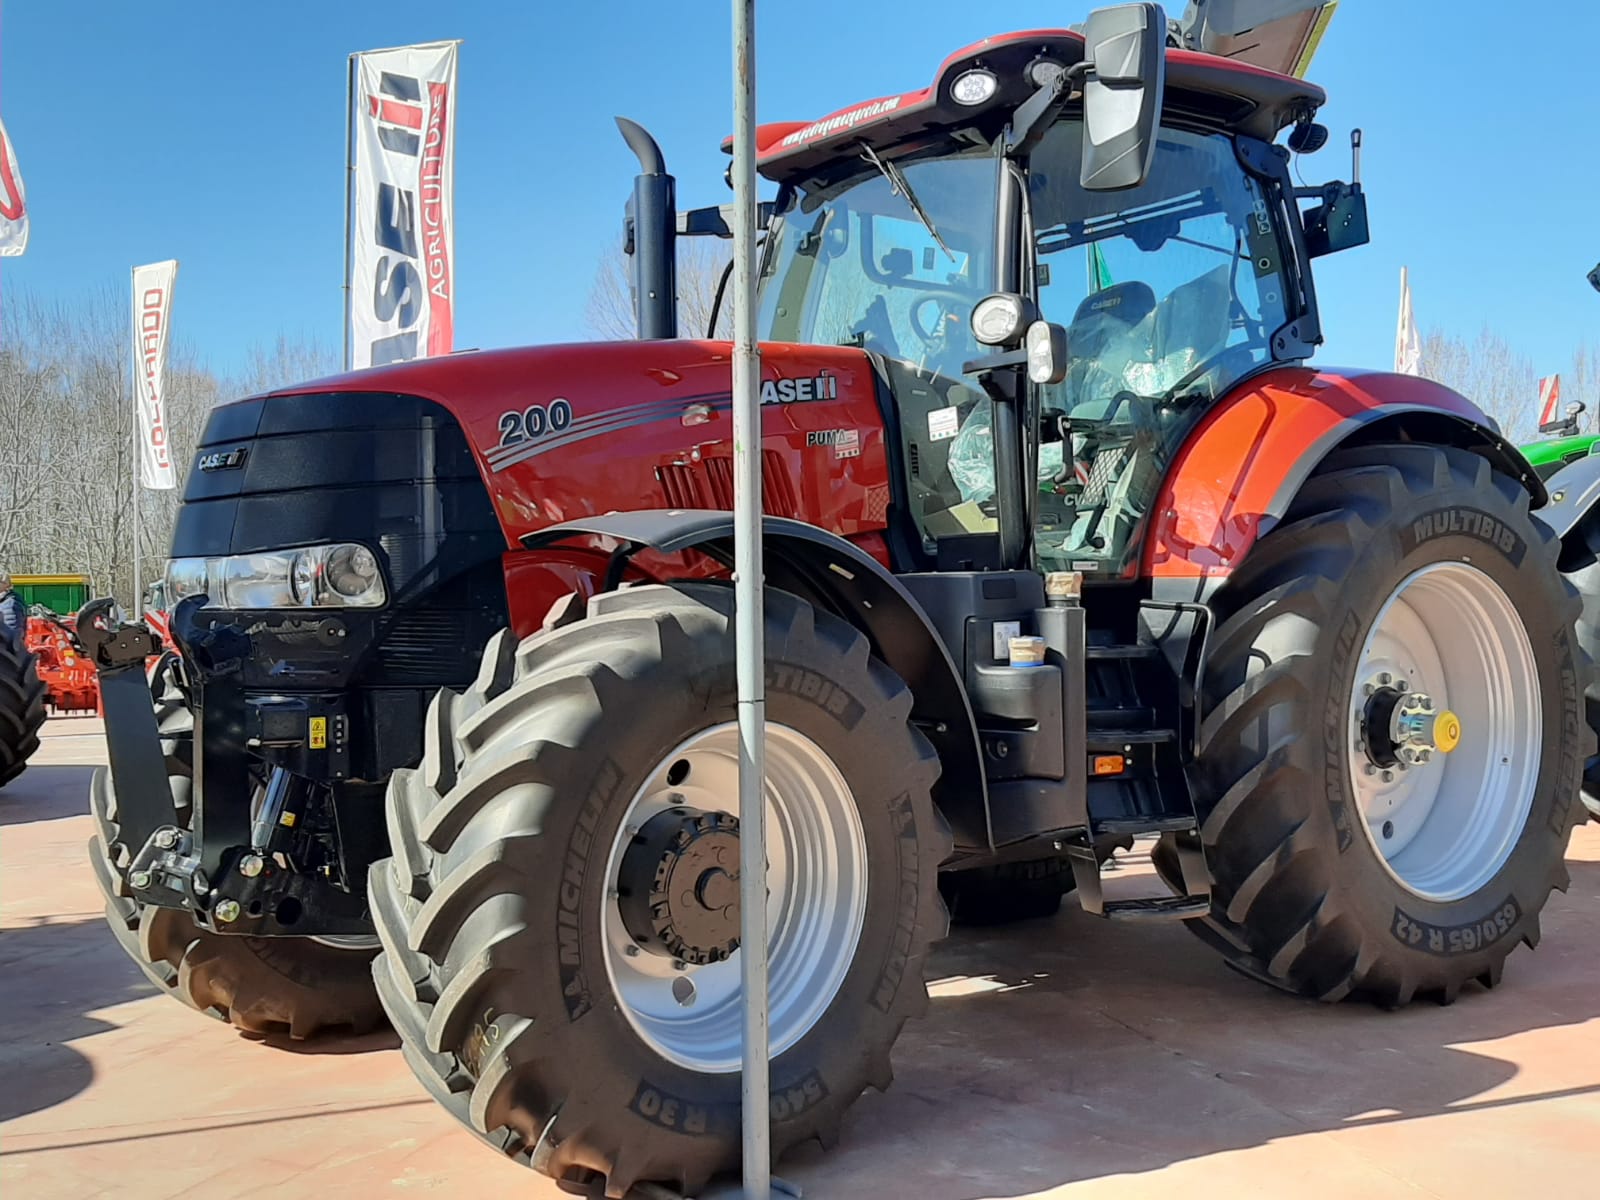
{"points": [[319, 733], [942, 424]]}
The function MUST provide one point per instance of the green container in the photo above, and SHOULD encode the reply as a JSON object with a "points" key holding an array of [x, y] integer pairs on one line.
{"points": [[61, 594]]}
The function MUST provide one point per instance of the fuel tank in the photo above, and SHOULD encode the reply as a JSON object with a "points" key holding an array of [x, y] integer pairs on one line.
{"points": [[565, 431]]}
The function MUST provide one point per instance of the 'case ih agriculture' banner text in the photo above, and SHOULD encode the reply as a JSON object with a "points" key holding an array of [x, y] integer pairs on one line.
{"points": [[401, 285], [152, 314]]}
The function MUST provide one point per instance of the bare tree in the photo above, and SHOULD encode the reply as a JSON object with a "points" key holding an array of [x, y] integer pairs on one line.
{"points": [[1490, 373], [701, 264]]}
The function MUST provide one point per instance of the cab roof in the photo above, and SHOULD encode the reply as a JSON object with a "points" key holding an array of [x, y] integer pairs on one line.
{"points": [[1200, 87]]}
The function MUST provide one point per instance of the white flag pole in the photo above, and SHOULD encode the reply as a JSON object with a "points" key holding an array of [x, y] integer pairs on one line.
{"points": [[750, 652], [135, 451], [349, 183]]}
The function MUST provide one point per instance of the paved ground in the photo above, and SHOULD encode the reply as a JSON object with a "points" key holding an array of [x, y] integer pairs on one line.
{"points": [[1070, 1059]]}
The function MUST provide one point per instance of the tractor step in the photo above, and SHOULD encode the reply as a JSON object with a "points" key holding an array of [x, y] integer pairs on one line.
{"points": [[1124, 653], [1102, 738], [1167, 823], [1157, 908]]}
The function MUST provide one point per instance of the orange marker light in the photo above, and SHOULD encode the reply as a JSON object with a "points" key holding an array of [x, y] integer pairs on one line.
{"points": [[1107, 764]]}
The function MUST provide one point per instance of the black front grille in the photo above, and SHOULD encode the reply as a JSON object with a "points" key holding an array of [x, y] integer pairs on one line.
{"points": [[420, 640]]}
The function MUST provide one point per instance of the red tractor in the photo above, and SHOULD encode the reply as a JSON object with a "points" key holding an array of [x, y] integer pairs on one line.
{"points": [[450, 720]]}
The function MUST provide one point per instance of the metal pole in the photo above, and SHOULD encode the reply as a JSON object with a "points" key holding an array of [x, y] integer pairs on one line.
{"points": [[133, 440], [349, 181], [751, 654]]}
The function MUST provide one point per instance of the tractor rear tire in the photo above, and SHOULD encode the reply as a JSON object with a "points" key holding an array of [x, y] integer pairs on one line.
{"points": [[1580, 563], [22, 711], [529, 1002], [259, 985], [1291, 818]]}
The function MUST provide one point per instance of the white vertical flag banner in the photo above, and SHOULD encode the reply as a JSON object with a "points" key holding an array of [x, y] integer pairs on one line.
{"points": [[152, 316], [13, 200], [402, 286], [1407, 346]]}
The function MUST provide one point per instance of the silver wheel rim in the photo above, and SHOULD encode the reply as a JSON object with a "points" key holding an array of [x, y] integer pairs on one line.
{"points": [[1445, 827], [816, 901]]}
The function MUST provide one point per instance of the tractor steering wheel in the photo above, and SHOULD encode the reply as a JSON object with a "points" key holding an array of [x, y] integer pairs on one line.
{"points": [[931, 330]]}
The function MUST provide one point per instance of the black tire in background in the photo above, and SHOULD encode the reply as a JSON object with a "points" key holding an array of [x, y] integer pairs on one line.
{"points": [[1006, 893], [1580, 563], [1301, 897], [494, 909], [260, 985], [22, 709]]}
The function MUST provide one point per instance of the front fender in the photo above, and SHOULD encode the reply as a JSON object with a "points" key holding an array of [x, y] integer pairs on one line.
{"points": [[1237, 473], [844, 580]]}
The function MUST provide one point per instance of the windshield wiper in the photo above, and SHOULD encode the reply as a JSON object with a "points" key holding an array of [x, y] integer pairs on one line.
{"points": [[897, 181]]}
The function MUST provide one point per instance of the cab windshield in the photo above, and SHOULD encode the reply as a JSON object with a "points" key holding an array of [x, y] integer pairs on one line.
{"points": [[1170, 294], [852, 263]]}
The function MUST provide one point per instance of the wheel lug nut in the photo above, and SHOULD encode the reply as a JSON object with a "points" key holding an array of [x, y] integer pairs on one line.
{"points": [[227, 911], [1367, 689], [1402, 686], [631, 951], [1369, 769], [1386, 679], [251, 865], [679, 965], [1388, 776]]}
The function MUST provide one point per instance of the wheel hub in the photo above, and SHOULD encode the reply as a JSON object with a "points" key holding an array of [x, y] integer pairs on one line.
{"points": [[1401, 728], [678, 887]]}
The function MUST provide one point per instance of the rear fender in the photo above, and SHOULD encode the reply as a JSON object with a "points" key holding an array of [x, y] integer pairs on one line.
{"points": [[842, 579], [1237, 474]]}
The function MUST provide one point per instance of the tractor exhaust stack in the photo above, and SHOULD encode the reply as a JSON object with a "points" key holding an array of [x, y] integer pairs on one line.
{"points": [[649, 238]]}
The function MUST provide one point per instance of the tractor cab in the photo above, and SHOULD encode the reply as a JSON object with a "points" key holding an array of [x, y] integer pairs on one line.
{"points": [[1170, 272]]}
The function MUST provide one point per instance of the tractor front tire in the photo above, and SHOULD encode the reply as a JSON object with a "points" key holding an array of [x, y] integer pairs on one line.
{"points": [[556, 984], [22, 709], [1336, 871], [259, 985]]}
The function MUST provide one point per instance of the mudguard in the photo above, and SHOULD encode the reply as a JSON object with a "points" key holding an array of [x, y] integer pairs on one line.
{"points": [[1237, 473], [1574, 493], [835, 575]]}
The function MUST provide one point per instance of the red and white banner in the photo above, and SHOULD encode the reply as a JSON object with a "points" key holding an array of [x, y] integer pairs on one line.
{"points": [[402, 286], [152, 316], [1550, 414], [13, 200]]}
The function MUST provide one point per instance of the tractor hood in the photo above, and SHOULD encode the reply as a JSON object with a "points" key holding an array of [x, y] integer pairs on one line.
{"points": [[564, 431]]}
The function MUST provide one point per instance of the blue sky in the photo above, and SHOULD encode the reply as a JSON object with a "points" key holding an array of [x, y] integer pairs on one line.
{"points": [[1482, 171]]}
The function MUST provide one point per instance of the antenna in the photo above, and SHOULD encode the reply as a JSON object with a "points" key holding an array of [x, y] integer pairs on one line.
{"points": [[1355, 157]]}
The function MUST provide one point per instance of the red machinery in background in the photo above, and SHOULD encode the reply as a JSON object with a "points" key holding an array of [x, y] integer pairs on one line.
{"points": [[70, 683]]}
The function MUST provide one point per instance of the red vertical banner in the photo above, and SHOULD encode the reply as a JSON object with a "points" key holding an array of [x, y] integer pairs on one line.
{"points": [[402, 226]]}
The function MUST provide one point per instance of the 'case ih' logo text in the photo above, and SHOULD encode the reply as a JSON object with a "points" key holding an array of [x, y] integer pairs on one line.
{"points": [[411, 128]]}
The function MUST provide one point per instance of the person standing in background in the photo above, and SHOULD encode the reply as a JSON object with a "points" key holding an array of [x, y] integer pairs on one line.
{"points": [[13, 614]]}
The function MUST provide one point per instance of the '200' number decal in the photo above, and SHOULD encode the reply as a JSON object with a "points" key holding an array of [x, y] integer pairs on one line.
{"points": [[534, 422]]}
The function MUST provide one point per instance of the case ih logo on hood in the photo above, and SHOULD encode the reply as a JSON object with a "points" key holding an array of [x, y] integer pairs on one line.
{"points": [[408, 127], [798, 391], [221, 460]]}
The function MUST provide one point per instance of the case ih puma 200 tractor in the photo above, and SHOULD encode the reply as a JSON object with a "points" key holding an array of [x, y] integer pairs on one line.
{"points": [[446, 729]]}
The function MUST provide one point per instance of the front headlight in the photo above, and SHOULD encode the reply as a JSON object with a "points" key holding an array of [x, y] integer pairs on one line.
{"points": [[343, 575]]}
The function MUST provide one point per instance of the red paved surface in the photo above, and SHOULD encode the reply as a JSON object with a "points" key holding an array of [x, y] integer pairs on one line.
{"points": [[1069, 1059]]}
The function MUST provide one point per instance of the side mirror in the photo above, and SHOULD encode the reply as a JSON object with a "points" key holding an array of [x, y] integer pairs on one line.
{"points": [[1339, 222], [1047, 353], [1125, 48]]}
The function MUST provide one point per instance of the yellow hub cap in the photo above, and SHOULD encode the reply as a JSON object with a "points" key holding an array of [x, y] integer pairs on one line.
{"points": [[1446, 732]]}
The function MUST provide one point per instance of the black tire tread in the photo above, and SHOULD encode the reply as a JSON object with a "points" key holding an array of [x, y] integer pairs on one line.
{"points": [[22, 709], [1259, 849], [559, 682]]}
